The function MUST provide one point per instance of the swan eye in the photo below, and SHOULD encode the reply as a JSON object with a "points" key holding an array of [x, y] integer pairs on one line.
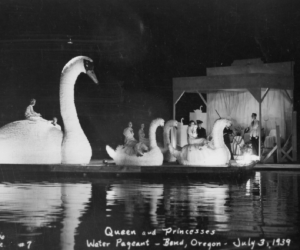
{"points": [[88, 65]]}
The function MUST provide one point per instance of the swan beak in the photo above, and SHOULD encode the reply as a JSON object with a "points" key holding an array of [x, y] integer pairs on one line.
{"points": [[92, 75]]}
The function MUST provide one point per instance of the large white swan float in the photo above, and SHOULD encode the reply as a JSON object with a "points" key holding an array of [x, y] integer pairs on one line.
{"points": [[76, 148], [213, 154], [39, 142], [153, 157]]}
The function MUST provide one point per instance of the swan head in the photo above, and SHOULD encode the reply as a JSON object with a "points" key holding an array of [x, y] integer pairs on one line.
{"points": [[89, 69], [172, 123], [175, 124], [81, 64], [158, 122], [223, 122], [161, 122]]}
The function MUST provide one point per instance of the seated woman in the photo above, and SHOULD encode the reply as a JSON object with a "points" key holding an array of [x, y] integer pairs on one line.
{"points": [[237, 144], [142, 136], [192, 134], [31, 115], [129, 136]]}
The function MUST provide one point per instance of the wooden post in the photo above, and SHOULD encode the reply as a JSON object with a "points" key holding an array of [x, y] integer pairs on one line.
{"points": [[259, 131], [174, 111], [176, 98], [294, 136], [174, 130], [278, 141]]}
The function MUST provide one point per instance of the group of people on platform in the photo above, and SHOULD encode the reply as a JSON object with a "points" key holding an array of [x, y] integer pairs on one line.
{"points": [[196, 134], [131, 145], [235, 144], [129, 135]]}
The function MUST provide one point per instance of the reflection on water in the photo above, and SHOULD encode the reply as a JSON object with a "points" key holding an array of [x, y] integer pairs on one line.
{"points": [[75, 198], [57, 213], [128, 193], [32, 205]]}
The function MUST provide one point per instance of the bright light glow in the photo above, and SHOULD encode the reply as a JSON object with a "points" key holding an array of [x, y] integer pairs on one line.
{"points": [[246, 159]]}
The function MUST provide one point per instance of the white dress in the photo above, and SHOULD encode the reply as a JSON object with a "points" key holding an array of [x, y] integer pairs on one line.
{"points": [[192, 136], [129, 136], [236, 145], [142, 137], [33, 116], [130, 141], [29, 112]]}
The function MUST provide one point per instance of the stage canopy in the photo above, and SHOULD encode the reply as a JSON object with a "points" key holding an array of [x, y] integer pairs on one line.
{"points": [[246, 87]]}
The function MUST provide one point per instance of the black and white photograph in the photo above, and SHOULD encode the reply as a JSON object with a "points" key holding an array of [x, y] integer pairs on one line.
{"points": [[149, 124]]}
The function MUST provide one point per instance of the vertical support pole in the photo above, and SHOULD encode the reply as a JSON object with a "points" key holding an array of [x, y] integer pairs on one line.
{"points": [[176, 97], [174, 110], [174, 130], [278, 141], [294, 135], [259, 132]]}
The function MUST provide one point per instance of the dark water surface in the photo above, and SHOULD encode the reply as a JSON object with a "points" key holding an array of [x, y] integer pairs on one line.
{"points": [[260, 211]]}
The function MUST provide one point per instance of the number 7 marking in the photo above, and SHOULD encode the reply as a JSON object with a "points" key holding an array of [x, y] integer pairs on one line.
{"points": [[29, 244]]}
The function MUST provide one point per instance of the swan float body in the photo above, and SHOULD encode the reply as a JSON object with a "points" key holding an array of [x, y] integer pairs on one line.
{"points": [[153, 157], [39, 142], [213, 154], [165, 150], [30, 142]]}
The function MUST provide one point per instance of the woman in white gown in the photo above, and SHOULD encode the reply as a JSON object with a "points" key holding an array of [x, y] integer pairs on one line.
{"points": [[129, 135], [142, 135], [237, 143], [30, 114]]}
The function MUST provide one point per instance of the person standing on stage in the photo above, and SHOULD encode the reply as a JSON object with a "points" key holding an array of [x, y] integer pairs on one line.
{"points": [[201, 132], [226, 134], [254, 133]]}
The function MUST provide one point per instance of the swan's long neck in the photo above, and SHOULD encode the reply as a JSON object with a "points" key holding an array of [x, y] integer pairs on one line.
{"points": [[66, 94], [217, 135], [167, 128], [152, 133]]}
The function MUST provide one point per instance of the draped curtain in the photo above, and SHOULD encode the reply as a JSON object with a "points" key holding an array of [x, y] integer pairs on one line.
{"points": [[276, 109]]}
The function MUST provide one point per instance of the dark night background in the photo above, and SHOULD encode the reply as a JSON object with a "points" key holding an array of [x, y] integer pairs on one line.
{"points": [[138, 46]]}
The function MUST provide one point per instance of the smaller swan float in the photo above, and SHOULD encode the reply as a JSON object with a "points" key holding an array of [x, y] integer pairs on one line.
{"points": [[153, 157], [212, 154], [165, 150]]}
